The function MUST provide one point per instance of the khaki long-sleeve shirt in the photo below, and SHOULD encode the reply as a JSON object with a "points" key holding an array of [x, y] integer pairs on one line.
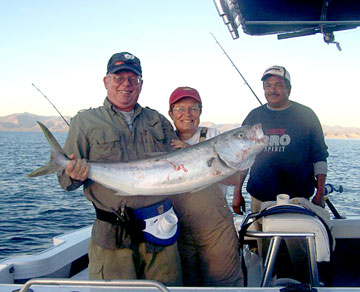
{"points": [[102, 135]]}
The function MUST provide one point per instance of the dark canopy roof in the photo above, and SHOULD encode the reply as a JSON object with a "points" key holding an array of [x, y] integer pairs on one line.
{"points": [[289, 18]]}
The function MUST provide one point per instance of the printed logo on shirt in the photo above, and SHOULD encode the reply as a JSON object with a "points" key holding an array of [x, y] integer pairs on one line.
{"points": [[277, 140]]}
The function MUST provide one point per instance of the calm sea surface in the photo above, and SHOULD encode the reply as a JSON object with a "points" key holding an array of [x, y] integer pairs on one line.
{"points": [[34, 210]]}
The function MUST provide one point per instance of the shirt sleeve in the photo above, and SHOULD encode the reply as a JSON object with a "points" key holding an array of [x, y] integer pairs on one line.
{"points": [[169, 132], [249, 120], [320, 167], [76, 143]]}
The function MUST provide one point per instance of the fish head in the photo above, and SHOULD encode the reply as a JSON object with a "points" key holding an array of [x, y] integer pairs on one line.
{"points": [[238, 148]]}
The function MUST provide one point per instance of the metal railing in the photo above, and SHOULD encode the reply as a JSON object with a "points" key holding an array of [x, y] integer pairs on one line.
{"points": [[97, 283]]}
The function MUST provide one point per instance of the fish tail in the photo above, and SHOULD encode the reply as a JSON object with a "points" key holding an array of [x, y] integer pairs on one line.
{"points": [[56, 151]]}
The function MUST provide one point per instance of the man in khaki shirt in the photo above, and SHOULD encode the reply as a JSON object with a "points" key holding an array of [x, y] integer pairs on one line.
{"points": [[120, 130]]}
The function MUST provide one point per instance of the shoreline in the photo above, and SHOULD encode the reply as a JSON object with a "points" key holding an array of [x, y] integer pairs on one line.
{"points": [[339, 136]]}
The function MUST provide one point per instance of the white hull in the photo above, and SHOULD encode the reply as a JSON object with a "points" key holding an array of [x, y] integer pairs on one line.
{"points": [[67, 260]]}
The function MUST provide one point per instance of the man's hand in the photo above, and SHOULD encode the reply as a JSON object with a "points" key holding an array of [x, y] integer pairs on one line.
{"points": [[238, 203], [77, 169]]}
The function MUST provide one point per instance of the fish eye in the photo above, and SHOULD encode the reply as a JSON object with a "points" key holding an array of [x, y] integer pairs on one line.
{"points": [[241, 135]]}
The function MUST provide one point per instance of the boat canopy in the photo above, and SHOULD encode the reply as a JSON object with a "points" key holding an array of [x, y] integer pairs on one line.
{"points": [[289, 18]]}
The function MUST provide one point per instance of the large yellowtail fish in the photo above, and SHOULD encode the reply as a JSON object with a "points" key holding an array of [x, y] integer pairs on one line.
{"points": [[180, 171]]}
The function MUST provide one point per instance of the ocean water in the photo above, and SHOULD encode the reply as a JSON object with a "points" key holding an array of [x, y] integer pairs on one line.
{"points": [[34, 210]]}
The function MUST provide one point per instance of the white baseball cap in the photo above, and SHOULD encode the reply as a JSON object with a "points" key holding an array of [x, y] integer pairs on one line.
{"points": [[277, 71]]}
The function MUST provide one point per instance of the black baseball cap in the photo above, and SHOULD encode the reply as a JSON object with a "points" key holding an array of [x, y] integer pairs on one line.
{"points": [[124, 61]]}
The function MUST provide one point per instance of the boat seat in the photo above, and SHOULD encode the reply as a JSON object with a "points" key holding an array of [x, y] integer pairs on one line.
{"points": [[290, 221], [301, 223]]}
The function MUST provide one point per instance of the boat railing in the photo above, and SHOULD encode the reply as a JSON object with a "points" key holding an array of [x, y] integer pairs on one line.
{"points": [[96, 283]]}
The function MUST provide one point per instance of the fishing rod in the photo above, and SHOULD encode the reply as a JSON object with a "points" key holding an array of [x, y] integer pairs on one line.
{"points": [[51, 104], [121, 217], [329, 188], [236, 69]]}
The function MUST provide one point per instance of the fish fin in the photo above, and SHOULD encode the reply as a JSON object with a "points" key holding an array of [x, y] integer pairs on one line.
{"points": [[47, 169], [56, 151]]}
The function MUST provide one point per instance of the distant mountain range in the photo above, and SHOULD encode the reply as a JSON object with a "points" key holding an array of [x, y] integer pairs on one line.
{"points": [[26, 122]]}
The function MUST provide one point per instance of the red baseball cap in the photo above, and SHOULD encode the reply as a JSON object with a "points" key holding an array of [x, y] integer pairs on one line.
{"points": [[182, 92]]}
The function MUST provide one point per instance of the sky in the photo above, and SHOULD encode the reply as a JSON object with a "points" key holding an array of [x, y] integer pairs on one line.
{"points": [[63, 47]]}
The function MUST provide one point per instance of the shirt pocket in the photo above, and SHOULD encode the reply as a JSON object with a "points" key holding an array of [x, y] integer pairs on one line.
{"points": [[154, 138], [106, 147]]}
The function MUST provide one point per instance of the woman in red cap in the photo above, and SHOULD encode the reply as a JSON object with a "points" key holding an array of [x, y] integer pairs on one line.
{"points": [[207, 241]]}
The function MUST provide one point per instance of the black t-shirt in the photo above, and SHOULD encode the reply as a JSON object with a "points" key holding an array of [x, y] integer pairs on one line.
{"points": [[295, 143]]}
